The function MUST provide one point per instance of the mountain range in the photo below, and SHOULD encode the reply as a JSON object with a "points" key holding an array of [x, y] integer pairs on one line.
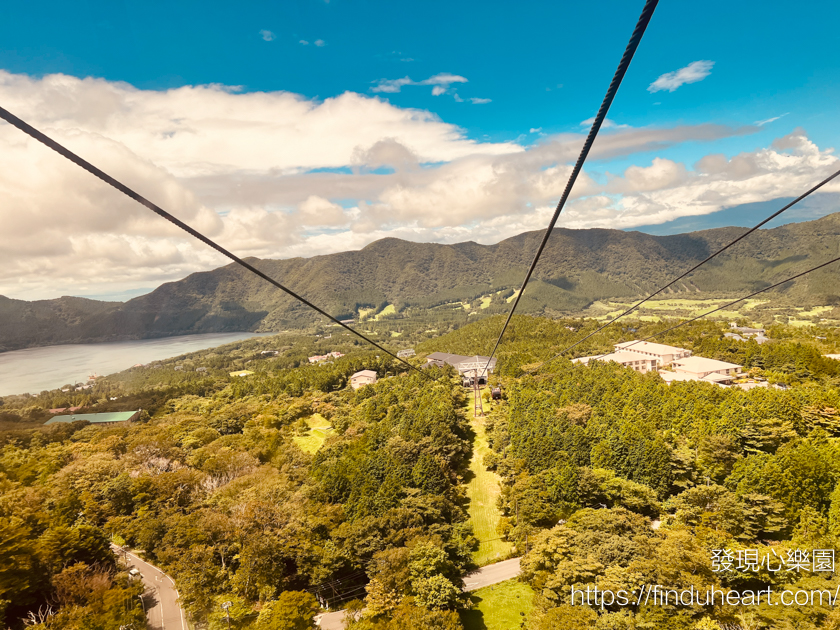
{"points": [[577, 268]]}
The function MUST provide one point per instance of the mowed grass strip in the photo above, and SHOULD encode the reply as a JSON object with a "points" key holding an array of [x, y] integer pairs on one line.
{"points": [[502, 606], [482, 491], [314, 438]]}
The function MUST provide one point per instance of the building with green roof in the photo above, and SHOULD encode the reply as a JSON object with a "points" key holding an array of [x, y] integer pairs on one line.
{"points": [[96, 418]]}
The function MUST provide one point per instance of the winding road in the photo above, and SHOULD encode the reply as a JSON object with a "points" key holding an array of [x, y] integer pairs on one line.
{"points": [[163, 612], [485, 576], [160, 600]]}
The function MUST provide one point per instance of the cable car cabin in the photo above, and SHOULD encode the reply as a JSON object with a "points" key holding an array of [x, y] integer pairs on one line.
{"points": [[496, 393], [469, 379]]}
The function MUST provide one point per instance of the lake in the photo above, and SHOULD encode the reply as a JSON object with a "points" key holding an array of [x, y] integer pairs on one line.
{"points": [[36, 369]]}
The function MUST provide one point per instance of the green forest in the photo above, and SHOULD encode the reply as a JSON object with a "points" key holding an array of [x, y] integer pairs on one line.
{"points": [[608, 478]]}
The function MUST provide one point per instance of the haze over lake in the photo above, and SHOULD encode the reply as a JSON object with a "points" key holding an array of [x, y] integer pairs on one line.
{"points": [[35, 369]]}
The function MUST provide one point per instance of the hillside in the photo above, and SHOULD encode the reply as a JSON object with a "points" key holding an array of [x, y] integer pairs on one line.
{"points": [[578, 268]]}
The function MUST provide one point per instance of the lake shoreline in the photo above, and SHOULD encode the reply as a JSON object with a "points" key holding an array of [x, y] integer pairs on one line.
{"points": [[121, 338], [40, 368]]}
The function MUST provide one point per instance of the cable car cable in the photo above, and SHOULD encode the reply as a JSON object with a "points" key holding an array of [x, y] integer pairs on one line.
{"points": [[627, 57], [715, 310], [700, 264], [61, 150]]}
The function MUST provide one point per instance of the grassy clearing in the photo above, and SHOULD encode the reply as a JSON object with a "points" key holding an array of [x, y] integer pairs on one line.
{"points": [[485, 301], [817, 310], [512, 297], [655, 310], [499, 607], [319, 427], [388, 310], [482, 491]]}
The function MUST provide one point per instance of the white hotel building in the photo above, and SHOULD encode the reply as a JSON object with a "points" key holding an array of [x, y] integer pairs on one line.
{"points": [[643, 356]]}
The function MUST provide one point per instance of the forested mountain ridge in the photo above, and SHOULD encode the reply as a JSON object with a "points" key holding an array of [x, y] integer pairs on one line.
{"points": [[577, 268]]}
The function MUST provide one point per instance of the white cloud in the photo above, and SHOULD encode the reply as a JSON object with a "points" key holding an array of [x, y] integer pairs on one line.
{"points": [[480, 101], [320, 42], [392, 86], [303, 42], [692, 73], [239, 167], [761, 123], [440, 83], [267, 35], [607, 124]]}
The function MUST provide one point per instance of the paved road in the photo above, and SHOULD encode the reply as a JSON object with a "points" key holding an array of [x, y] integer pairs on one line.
{"points": [[485, 576], [331, 621], [161, 598], [492, 574]]}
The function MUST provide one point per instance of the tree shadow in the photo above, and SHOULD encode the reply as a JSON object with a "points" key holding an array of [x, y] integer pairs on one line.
{"points": [[150, 601], [473, 619]]}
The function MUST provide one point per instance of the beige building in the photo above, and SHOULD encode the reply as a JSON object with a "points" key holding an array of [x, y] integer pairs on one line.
{"points": [[633, 360], [664, 355], [360, 379], [702, 369]]}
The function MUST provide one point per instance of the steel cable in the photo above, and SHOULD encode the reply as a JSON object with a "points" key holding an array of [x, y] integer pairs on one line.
{"points": [[715, 310], [61, 150], [697, 266], [624, 64]]}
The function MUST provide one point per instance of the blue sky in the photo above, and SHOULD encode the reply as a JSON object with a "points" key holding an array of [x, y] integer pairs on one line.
{"points": [[768, 61], [493, 76]]}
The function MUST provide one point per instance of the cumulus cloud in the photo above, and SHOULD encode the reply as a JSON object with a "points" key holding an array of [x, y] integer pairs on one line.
{"points": [[267, 35], [692, 73], [440, 83], [667, 190], [209, 130], [277, 175]]}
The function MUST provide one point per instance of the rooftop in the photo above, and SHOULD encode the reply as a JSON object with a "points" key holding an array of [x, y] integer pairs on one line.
{"points": [[365, 373], [618, 357], [702, 364], [455, 360], [717, 378], [670, 377], [647, 346], [95, 418]]}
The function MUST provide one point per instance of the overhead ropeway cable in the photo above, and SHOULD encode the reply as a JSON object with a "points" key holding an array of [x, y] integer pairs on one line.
{"points": [[714, 310], [623, 65], [701, 263], [63, 151], [741, 299]]}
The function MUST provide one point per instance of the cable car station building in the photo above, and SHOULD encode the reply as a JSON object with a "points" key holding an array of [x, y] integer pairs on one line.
{"points": [[469, 368]]}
